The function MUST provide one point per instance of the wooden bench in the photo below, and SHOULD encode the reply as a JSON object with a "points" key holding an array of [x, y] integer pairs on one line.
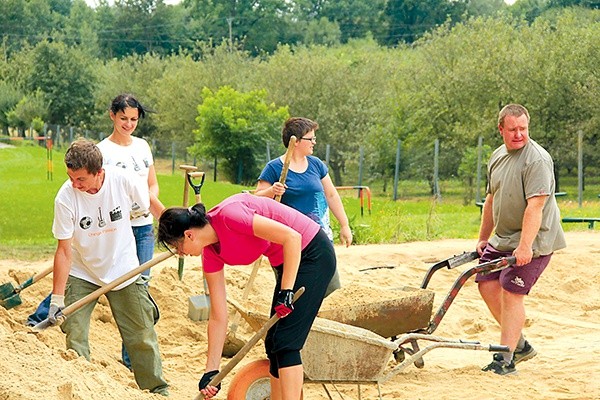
{"points": [[590, 220]]}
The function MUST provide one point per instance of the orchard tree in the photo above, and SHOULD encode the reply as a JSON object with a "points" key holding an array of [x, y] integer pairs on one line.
{"points": [[234, 127], [29, 109], [64, 75], [344, 89], [9, 97]]}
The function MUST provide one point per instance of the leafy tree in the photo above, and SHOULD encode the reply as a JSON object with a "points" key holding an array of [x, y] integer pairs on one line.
{"points": [[410, 19], [9, 97], [260, 26], [28, 109], [356, 18], [344, 89], [177, 94], [233, 127], [64, 75], [528, 10], [24, 22], [81, 28], [323, 32]]}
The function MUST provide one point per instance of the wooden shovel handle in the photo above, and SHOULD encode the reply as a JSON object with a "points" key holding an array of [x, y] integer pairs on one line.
{"points": [[103, 289], [247, 347], [34, 279], [110, 286], [286, 163]]}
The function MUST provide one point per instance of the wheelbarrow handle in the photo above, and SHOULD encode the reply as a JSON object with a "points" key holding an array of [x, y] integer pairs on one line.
{"points": [[498, 348], [247, 347], [70, 309]]}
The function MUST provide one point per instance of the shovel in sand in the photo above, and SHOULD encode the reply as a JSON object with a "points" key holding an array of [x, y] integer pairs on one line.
{"points": [[70, 309], [9, 295], [198, 306]]}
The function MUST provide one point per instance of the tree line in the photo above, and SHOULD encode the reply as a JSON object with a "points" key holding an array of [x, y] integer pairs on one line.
{"points": [[141, 26], [448, 84]]}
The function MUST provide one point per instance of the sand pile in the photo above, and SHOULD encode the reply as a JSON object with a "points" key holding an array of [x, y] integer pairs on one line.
{"points": [[563, 324]]}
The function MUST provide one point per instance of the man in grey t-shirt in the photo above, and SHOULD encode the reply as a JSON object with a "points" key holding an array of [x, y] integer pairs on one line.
{"points": [[521, 211]]}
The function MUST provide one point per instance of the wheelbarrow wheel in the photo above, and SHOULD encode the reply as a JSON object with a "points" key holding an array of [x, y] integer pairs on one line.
{"points": [[252, 382]]}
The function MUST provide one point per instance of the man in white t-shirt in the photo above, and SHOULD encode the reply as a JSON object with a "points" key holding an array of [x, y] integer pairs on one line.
{"points": [[95, 246]]}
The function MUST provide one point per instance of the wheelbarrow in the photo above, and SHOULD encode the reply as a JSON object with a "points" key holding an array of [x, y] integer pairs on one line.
{"points": [[337, 352], [407, 310]]}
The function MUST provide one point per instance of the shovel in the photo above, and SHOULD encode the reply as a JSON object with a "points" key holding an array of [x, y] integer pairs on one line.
{"points": [[198, 306], [65, 312], [186, 170], [247, 347], [232, 343], [9, 295]]}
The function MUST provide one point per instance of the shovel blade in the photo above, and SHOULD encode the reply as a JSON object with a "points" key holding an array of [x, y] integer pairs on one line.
{"points": [[40, 326], [7, 290], [11, 302]]}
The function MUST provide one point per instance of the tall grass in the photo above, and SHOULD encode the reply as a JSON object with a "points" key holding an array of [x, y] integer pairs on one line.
{"points": [[27, 201]]}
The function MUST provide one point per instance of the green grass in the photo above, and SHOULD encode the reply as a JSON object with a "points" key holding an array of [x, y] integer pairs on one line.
{"points": [[27, 201]]}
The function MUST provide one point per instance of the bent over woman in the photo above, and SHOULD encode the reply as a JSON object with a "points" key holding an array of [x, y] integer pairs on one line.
{"points": [[237, 232]]}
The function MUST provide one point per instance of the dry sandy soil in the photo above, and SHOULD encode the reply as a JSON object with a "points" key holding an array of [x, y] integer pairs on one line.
{"points": [[563, 325]]}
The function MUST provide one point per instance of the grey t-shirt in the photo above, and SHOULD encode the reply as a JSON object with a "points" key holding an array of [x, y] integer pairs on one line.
{"points": [[514, 177]]}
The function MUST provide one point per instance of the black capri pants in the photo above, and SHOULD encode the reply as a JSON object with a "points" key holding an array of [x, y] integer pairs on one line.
{"points": [[287, 337]]}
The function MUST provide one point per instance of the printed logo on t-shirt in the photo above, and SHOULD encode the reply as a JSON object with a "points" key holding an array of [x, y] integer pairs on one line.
{"points": [[101, 221], [85, 222], [121, 164], [136, 167], [146, 163], [116, 214]]}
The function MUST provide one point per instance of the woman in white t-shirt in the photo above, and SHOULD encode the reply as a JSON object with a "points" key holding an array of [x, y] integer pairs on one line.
{"points": [[133, 154]]}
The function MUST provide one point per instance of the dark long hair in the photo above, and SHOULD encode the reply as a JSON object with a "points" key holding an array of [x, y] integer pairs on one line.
{"points": [[174, 221], [123, 101]]}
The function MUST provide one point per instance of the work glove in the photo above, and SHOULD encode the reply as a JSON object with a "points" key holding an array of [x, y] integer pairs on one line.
{"points": [[283, 303], [205, 380], [57, 303]]}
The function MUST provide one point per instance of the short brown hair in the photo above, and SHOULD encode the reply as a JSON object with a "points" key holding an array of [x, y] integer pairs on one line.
{"points": [[297, 126], [83, 153], [515, 110]]}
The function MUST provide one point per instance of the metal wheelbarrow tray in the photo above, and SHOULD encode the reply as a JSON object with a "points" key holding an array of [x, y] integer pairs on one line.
{"points": [[337, 352]]}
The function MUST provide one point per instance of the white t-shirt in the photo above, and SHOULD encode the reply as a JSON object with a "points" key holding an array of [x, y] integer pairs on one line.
{"points": [[103, 246], [137, 158]]}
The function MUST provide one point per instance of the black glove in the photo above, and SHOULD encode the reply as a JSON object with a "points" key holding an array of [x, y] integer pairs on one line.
{"points": [[205, 380], [283, 303]]}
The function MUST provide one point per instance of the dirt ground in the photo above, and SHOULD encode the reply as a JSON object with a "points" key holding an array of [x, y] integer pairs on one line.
{"points": [[562, 324]]}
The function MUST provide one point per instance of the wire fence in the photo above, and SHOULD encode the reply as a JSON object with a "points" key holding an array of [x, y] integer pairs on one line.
{"points": [[412, 174], [425, 171]]}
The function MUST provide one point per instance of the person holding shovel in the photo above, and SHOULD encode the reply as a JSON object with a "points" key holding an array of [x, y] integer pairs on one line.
{"points": [[133, 154], [96, 246], [238, 231], [308, 186], [521, 211]]}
